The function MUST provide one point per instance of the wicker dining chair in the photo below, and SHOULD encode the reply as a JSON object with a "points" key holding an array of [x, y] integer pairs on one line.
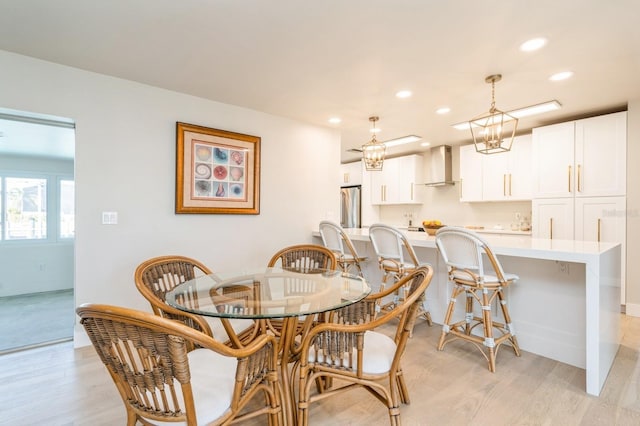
{"points": [[348, 348], [334, 238], [303, 258], [157, 276], [166, 371]]}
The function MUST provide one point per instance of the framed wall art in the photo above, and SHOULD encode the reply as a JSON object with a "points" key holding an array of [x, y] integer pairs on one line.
{"points": [[217, 172]]}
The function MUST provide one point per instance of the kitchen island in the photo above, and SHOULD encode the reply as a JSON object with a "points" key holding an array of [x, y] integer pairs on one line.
{"points": [[566, 305]]}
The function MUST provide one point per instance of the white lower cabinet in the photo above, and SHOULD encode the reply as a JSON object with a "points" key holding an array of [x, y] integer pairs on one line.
{"points": [[552, 218]]}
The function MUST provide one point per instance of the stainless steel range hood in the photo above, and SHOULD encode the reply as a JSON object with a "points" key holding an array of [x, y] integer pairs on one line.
{"points": [[440, 166]]}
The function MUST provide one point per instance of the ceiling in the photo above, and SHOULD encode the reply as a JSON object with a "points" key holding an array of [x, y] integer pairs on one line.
{"points": [[314, 60]]}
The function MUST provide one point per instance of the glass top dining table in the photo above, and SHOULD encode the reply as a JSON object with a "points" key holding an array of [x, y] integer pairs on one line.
{"points": [[268, 293], [272, 293]]}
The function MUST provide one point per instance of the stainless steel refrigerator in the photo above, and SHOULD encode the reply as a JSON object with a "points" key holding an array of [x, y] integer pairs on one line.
{"points": [[350, 214]]}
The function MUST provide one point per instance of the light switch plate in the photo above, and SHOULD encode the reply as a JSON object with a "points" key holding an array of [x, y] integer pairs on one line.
{"points": [[109, 218]]}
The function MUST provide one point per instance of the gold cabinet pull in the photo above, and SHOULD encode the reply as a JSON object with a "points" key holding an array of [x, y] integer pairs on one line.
{"points": [[504, 185], [345, 178], [411, 192], [599, 227], [460, 187], [569, 178], [551, 228], [510, 184], [579, 178]]}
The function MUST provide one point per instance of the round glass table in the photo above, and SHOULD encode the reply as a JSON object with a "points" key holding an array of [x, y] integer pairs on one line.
{"points": [[271, 293]]}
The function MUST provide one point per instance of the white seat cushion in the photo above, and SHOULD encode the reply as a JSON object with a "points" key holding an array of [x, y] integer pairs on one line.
{"points": [[379, 350], [220, 334], [488, 279], [212, 381]]}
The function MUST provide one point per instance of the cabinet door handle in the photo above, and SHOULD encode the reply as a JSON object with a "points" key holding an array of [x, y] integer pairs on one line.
{"points": [[460, 187], [411, 191], [504, 185], [381, 192], [599, 227], [510, 184], [579, 178], [569, 178], [345, 178], [551, 228], [385, 193]]}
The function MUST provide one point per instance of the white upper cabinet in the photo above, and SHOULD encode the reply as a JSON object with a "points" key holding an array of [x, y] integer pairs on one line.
{"points": [[397, 182], [601, 151], [470, 174], [583, 158], [497, 177], [553, 154], [507, 176], [351, 174]]}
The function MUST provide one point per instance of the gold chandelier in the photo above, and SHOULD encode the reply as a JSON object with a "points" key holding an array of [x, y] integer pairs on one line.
{"points": [[373, 152], [493, 132]]}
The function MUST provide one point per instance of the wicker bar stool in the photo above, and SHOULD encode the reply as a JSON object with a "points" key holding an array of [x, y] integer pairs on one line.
{"points": [[396, 259], [335, 239], [462, 251]]}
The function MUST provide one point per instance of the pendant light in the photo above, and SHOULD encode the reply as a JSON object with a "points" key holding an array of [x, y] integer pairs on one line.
{"points": [[493, 132], [373, 152]]}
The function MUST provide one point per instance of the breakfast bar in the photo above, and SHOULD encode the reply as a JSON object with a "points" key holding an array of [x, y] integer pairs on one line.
{"points": [[565, 306]]}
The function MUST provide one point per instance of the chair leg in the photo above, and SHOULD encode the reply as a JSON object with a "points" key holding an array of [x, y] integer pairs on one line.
{"points": [[402, 388], [447, 317], [489, 342], [507, 322]]}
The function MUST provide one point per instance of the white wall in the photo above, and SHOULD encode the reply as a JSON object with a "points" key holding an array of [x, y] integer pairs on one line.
{"points": [[125, 162], [633, 208]]}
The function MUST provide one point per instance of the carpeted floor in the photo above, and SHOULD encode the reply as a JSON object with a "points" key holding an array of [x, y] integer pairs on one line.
{"points": [[35, 319]]}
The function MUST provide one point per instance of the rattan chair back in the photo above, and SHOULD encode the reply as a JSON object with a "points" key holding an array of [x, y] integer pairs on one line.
{"points": [[348, 348], [160, 377]]}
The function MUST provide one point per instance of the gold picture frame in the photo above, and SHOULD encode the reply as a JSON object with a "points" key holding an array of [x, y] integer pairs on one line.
{"points": [[217, 172]]}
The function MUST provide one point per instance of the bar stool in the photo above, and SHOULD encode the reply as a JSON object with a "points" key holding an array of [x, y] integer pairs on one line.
{"points": [[396, 259], [335, 239], [462, 251]]}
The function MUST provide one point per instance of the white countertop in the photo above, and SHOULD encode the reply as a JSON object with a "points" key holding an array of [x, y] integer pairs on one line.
{"points": [[512, 245]]}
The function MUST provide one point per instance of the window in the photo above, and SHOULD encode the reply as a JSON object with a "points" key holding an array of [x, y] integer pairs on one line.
{"points": [[36, 207], [26, 208], [67, 212]]}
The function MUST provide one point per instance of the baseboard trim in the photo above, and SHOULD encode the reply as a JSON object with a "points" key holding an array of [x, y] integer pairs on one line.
{"points": [[633, 310]]}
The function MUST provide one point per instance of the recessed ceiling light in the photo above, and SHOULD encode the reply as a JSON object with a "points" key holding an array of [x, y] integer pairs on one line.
{"points": [[561, 76], [335, 120], [533, 44], [443, 110], [404, 94]]}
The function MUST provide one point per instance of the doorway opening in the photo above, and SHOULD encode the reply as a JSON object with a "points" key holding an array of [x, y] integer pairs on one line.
{"points": [[37, 229]]}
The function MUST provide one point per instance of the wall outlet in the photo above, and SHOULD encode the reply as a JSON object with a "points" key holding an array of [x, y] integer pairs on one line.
{"points": [[563, 267]]}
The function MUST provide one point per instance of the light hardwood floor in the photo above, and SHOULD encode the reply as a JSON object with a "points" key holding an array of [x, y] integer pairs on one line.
{"points": [[58, 385]]}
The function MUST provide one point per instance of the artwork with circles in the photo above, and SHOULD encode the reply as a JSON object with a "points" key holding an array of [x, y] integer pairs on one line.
{"points": [[217, 171]]}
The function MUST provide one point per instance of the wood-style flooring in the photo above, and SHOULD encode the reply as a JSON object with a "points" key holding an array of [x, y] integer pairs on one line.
{"points": [[58, 385]]}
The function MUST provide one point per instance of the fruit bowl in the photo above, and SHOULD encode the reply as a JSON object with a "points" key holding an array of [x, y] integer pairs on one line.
{"points": [[432, 226], [432, 229]]}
